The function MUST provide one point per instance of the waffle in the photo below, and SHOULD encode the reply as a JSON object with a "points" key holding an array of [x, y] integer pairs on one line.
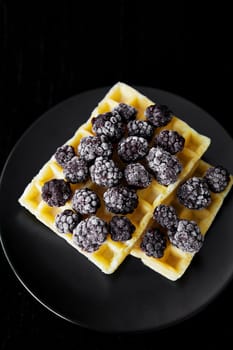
{"points": [[111, 253], [175, 262]]}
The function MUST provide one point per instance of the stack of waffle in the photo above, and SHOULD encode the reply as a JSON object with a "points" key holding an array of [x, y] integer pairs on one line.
{"points": [[111, 253]]}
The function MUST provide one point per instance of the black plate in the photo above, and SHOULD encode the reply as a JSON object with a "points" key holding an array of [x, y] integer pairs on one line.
{"points": [[134, 298]]}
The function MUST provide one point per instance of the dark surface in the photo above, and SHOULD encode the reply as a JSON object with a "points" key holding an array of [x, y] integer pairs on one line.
{"points": [[64, 280], [49, 53]]}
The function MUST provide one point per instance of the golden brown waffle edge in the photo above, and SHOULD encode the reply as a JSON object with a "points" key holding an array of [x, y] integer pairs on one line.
{"points": [[111, 254]]}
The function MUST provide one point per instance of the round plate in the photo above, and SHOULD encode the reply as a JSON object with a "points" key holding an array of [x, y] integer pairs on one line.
{"points": [[134, 298]]}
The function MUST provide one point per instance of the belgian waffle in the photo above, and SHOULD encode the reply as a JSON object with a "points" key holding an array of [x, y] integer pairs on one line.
{"points": [[111, 253], [175, 261]]}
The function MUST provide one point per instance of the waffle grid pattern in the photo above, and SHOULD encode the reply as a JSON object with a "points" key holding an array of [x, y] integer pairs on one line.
{"points": [[175, 262], [111, 254]]}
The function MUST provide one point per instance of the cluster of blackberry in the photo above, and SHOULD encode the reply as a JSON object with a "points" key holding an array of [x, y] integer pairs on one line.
{"points": [[119, 131], [132, 137], [184, 234], [161, 158], [194, 193], [94, 153], [93, 161]]}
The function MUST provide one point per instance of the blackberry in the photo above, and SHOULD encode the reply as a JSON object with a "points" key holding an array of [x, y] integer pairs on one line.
{"points": [[120, 200], [217, 178], [91, 147], [56, 192], [136, 175], [171, 141], [64, 154], [109, 124], [158, 115], [90, 233], [76, 170], [85, 201], [132, 148], [121, 228], [187, 237], [166, 167], [66, 221], [154, 243], [104, 172], [194, 193], [126, 111], [166, 216], [140, 128]]}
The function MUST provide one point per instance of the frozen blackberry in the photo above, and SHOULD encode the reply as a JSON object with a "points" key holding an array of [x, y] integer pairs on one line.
{"points": [[170, 141], [109, 124], [66, 221], [194, 193], [76, 170], [56, 192], [154, 243], [104, 172], [90, 233], [64, 154], [127, 112], [91, 147], [166, 216], [217, 178], [140, 128], [136, 175], [166, 167], [85, 201], [121, 228], [132, 148], [120, 200], [187, 237], [158, 115]]}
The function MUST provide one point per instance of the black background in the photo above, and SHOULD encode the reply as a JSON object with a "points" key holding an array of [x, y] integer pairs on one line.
{"points": [[49, 52]]}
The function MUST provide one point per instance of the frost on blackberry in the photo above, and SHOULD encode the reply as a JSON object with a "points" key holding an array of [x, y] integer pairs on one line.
{"points": [[137, 176], [66, 221], [104, 172], [76, 170], [132, 148], [120, 200], [187, 237], [85, 201], [194, 193], [166, 216], [121, 228], [154, 243], [158, 115], [165, 167], [91, 147], [64, 154], [140, 128], [90, 233], [217, 178], [109, 124], [126, 111], [170, 140], [56, 192]]}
